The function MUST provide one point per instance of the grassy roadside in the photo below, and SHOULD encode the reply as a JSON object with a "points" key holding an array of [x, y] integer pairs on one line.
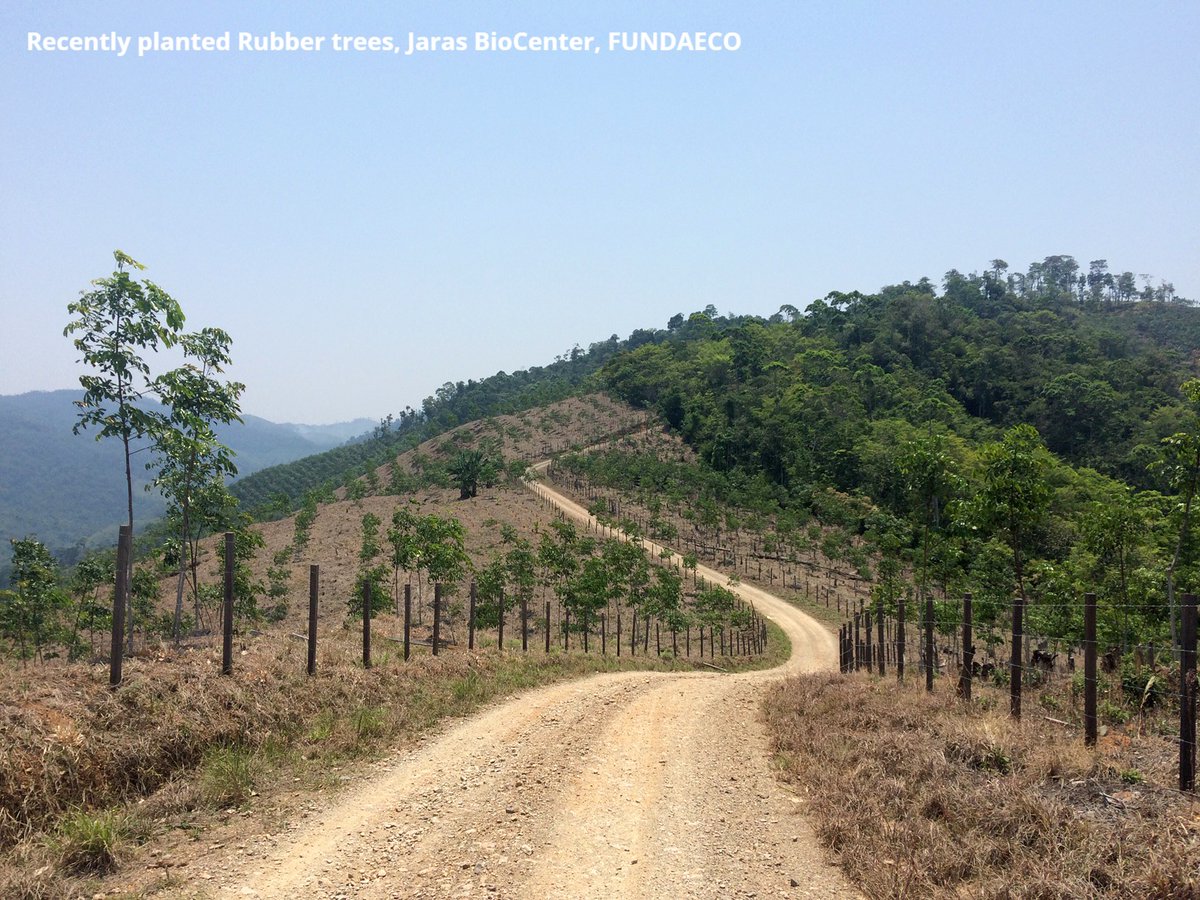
{"points": [[90, 779], [919, 795]]}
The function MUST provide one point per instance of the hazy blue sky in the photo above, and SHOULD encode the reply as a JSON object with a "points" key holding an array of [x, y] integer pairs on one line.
{"points": [[368, 226]]}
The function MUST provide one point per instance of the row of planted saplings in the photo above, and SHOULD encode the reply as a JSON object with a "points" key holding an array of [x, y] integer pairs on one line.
{"points": [[631, 631], [725, 639], [869, 639]]}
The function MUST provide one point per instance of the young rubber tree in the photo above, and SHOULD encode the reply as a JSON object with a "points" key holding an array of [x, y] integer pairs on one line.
{"points": [[443, 550], [91, 573], [521, 569], [587, 592], [558, 555], [925, 468], [370, 570], [217, 509], [1015, 495], [1113, 533], [246, 588], [187, 452], [406, 548], [490, 582], [36, 600], [115, 324]]}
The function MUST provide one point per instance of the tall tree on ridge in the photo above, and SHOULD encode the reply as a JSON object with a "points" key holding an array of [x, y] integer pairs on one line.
{"points": [[115, 323]]}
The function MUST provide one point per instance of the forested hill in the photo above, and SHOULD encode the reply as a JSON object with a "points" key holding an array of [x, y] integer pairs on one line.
{"points": [[1032, 435], [814, 398], [1093, 362]]}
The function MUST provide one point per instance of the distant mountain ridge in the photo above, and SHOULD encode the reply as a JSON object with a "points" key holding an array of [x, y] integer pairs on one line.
{"points": [[331, 435], [64, 487]]}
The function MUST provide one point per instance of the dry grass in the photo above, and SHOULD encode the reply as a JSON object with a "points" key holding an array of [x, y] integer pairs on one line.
{"points": [[919, 795], [87, 773]]}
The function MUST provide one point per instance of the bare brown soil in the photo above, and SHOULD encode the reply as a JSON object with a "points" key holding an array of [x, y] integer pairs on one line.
{"points": [[532, 435], [336, 535]]}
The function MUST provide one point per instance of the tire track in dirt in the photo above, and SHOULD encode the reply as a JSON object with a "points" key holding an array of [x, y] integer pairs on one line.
{"points": [[639, 785]]}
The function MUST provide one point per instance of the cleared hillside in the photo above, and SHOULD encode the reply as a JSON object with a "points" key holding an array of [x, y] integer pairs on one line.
{"points": [[281, 488], [336, 533]]}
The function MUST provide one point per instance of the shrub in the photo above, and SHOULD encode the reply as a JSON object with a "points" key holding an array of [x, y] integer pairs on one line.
{"points": [[1141, 686], [1112, 713], [227, 776], [91, 842], [369, 721]]}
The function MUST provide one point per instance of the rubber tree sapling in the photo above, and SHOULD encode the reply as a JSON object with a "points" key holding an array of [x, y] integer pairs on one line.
{"points": [[187, 452], [32, 609], [114, 325]]}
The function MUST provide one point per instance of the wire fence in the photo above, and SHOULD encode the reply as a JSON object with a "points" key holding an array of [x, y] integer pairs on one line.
{"points": [[873, 641], [736, 631]]}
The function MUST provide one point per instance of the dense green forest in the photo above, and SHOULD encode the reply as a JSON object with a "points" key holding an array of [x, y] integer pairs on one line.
{"points": [[914, 406], [800, 399]]}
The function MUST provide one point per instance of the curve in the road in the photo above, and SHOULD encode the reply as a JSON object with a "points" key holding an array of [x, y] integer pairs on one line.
{"points": [[627, 785]]}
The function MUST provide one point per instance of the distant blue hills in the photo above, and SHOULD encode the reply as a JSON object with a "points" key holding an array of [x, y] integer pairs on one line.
{"points": [[65, 488]]}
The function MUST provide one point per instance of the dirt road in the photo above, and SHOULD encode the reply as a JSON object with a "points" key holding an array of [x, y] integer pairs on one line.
{"points": [[638, 785]]}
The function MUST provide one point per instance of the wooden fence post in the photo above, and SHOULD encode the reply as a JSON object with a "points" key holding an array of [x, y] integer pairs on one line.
{"points": [[968, 650], [900, 638], [618, 632], [603, 634], [868, 641], [524, 624], [116, 658], [471, 618], [929, 643], [1187, 695], [1090, 728], [227, 608], [314, 593], [547, 626], [437, 617], [368, 600], [857, 649], [500, 633], [1016, 664], [881, 657], [566, 628], [407, 618]]}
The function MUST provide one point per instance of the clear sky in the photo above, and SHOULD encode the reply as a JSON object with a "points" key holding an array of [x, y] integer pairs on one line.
{"points": [[368, 226]]}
